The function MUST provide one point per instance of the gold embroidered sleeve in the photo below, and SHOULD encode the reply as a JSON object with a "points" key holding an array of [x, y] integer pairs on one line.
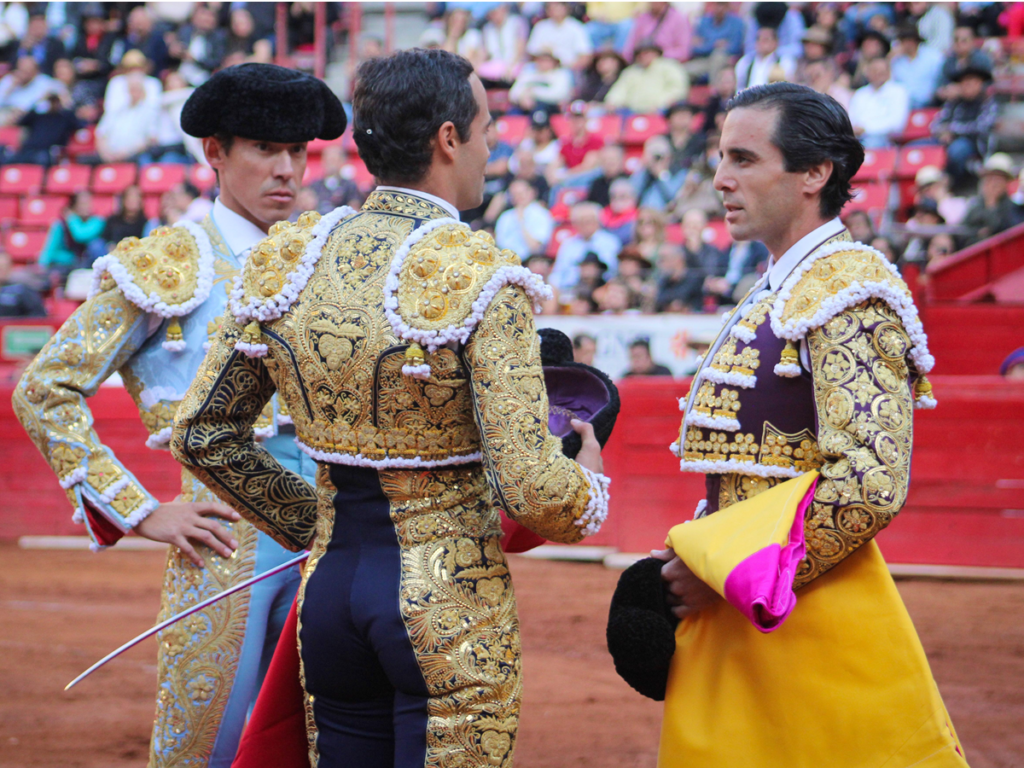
{"points": [[864, 405], [533, 481], [50, 401], [214, 438]]}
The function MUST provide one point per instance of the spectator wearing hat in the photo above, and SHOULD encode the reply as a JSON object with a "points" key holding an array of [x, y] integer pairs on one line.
{"points": [[965, 54], [24, 88], [134, 65], [635, 273], [651, 83], [588, 236], [965, 123], [611, 159], [563, 35], [756, 68], [992, 211], [923, 221], [821, 76], [716, 40], [619, 216], [526, 227], [600, 76], [540, 143], [666, 26], [871, 45], [542, 264], [932, 184], [590, 277], [129, 130], [916, 67], [680, 287], [542, 84], [817, 43], [578, 152], [881, 108], [39, 44], [687, 145]]}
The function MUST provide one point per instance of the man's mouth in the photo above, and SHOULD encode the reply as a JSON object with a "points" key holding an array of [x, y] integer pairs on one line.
{"points": [[281, 195]]}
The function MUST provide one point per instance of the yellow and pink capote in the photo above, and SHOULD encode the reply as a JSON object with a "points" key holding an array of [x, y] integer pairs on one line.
{"points": [[833, 676]]}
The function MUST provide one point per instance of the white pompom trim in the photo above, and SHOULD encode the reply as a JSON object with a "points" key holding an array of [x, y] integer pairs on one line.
{"points": [[111, 493], [206, 346], [732, 378], [262, 433], [433, 340], [153, 303], [272, 307], [682, 403], [596, 513], [742, 333], [739, 467], [789, 370], [283, 419], [73, 478], [79, 516], [674, 447], [926, 403], [358, 460], [701, 506], [695, 419], [153, 395], [421, 371], [159, 440], [174, 346], [252, 350], [903, 304], [141, 513]]}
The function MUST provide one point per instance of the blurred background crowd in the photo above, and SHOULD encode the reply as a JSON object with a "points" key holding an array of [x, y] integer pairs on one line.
{"points": [[604, 146]]}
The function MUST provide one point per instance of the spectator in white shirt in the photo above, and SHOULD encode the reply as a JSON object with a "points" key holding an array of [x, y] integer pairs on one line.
{"points": [[23, 89], [133, 63], [504, 44], [526, 227], [756, 68], [563, 35], [916, 67], [124, 133], [543, 84], [936, 24], [880, 109], [586, 220]]}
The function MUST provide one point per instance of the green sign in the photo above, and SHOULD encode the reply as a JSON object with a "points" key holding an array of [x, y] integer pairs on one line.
{"points": [[24, 341]]}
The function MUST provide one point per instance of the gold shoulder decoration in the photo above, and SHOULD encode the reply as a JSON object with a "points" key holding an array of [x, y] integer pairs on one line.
{"points": [[830, 281], [169, 273], [278, 268], [442, 279]]}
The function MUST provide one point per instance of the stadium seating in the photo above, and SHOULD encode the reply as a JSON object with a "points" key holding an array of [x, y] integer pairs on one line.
{"points": [[21, 179], [512, 128], [914, 157], [639, 128], [40, 211], [82, 143], [151, 205], [10, 136], [8, 209], [564, 200], [919, 125], [24, 245], [878, 165], [104, 205], [557, 238], [607, 127], [872, 196], [202, 177], [67, 179], [157, 178], [114, 178]]}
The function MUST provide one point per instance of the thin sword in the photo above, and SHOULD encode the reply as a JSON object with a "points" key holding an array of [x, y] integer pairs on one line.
{"points": [[188, 612]]}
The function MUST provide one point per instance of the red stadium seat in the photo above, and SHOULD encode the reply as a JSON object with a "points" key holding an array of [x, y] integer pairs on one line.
{"points": [[113, 179], [8, 209], [608, 127], [558, 237], [21, 179], [151, 205], [42, 210], [639, 128], [356, 170], [919, 125], [873, 196], [82, 143], [717, 233], [103, 205], [634, 158], [67, 179], [566, 198], [914, 157], [24, 245], [878, 164], [202, 177], [512, 128], [157, 178], [10, 136]]}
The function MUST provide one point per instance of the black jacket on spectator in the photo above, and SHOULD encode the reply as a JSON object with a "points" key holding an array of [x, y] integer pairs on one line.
{"points": [[970, 119], [45, 52], [98, 50], [18, 300], [600, 190], [216, 46], [687, 290], [48, 129], [985, 222], [709, 260], [593, 88], [118, 227], [685, 155]]}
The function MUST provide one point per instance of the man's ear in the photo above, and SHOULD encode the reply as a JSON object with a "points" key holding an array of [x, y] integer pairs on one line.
{"points": [[447, 141], [817, 177], [214, 152]]}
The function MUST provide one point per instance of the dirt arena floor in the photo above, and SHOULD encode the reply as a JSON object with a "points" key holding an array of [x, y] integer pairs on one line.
{"points": [[61, 611]]}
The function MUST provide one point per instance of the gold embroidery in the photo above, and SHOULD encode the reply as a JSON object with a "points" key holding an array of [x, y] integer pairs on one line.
{"points": [[734, 488], [781, 449], [275, 257], [724, 402], [165, 263]]}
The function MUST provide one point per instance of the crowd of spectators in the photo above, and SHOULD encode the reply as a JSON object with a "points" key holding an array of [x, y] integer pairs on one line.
{"points": [[613, 228]]}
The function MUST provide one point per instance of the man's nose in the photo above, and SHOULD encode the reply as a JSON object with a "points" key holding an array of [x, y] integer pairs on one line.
{"points": [[283, 167], [722, 179]]}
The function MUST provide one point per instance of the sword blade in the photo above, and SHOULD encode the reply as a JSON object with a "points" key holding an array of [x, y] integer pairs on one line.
{"points": [[187, 612]]}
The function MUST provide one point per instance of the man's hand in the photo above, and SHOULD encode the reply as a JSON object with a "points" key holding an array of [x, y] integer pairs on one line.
{"points": [[686, 593], [181, 523], [590, 454]]}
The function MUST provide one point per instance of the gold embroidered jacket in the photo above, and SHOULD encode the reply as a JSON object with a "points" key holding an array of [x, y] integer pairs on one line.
{"points": [[397, 339], [755, 417]]}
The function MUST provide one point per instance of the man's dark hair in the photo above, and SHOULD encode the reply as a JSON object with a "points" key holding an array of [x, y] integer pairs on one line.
{"points": [[641, 342], [579, 338], [400, 103], [812, 127], [226, 141]]}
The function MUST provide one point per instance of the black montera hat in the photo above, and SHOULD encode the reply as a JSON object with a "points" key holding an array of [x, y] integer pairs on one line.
{"points": [[575, 390], [264, 102]]}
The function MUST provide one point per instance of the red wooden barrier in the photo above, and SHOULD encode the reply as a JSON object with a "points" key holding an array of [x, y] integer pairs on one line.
{"points": [[966, 503]]}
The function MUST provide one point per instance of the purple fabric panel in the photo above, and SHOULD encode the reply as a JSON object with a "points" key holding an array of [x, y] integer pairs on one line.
{"points": [[572, 393], [761, 586]]}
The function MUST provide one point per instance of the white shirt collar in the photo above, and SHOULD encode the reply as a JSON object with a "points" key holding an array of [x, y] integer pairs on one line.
{"points": [[439, 202], [239, 233], [780, 269]]}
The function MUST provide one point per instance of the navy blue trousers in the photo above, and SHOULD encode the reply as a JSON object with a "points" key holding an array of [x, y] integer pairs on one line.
{"points": [[369, 695]]}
